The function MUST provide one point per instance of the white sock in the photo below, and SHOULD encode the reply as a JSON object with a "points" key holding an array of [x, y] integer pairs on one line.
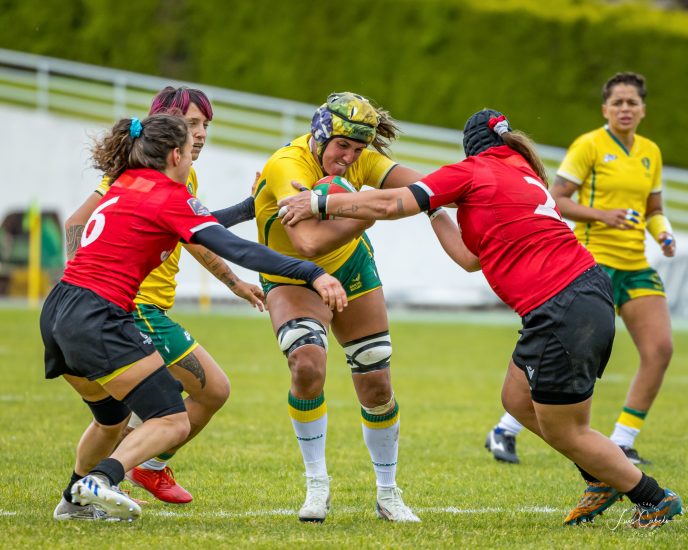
{"points": [[624, 436], [383, 446], [311, 437], [509, 424]]}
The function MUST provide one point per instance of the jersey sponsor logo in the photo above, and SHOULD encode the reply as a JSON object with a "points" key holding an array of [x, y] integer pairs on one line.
{"points": [[197, 207], [531, 371], [165, 254], [146, 339], [609, 157]]}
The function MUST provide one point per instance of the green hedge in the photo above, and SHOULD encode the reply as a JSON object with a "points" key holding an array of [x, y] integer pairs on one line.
{"points": [[429, 61]]}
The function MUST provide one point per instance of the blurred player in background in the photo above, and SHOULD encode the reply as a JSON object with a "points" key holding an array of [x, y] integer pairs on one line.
{"points": [[341, 131], [87, 325], [513, 231], [617, 175], [204, 381]]}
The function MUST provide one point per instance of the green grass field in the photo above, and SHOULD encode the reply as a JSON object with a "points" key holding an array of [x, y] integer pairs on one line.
{"points": [[245, 469]]}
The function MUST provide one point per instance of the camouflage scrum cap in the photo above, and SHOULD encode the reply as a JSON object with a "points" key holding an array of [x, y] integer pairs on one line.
{"points": [[483, 130], [347, 115]]}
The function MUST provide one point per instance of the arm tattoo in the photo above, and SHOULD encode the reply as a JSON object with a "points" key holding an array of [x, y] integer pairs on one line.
{"points": [[73, 238], [400, 206], [193, 365], [341, 211], [219, 268]]}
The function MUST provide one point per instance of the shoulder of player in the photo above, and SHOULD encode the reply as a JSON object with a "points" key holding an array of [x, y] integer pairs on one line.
{"points": [[647, 143], [591, 138]]}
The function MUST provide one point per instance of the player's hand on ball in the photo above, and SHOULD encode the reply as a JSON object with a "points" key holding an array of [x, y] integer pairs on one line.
{"points": [[331, 291]]}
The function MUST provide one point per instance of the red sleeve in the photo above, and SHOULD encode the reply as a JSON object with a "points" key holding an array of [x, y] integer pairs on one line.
{"points": [[184, 214], [449, 184]]}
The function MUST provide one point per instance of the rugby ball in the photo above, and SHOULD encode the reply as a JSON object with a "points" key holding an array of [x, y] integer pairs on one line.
{"points": [[331, 185]]}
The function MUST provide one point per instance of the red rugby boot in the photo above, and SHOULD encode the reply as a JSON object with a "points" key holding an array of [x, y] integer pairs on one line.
{"points": [[160, 484]]}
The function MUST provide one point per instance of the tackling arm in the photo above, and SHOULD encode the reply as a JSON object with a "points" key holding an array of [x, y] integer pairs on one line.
{"points": [[385, 204], [260, 258], [222, 272]]}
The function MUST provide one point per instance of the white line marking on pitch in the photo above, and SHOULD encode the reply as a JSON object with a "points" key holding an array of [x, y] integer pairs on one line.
{"points": [[351, 510]]}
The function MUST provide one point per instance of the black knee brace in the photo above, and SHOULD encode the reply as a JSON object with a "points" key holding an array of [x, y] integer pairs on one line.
{"points": [[108, 411], [160, 394]]}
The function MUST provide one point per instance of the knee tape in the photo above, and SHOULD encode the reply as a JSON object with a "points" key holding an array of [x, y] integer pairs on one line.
{"points": [[156, 396], [381, 410], [301, 332], [369, 353], [108, 411]]}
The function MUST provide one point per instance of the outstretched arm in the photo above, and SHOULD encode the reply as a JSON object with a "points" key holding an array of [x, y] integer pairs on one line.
{"points": [[258, 257], [385, 204], [214, 264]]}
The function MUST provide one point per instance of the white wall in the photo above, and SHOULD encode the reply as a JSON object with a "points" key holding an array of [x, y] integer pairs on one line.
{"points": [[46, 157]]}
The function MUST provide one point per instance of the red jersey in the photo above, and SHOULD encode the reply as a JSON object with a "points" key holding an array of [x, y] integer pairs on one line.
{"points": [[135, 227], [510, 221]]}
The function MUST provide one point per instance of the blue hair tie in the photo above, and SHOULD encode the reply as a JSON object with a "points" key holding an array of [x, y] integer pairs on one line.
{"points": [[135, 127]]}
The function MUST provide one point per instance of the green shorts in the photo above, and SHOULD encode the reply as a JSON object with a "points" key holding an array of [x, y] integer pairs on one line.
{"points": [[171, 339], [358, 275], [634, 284]]}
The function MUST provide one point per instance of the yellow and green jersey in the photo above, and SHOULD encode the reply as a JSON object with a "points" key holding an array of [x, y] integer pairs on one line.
{"points": [[158, 289], [295, 162], [610, 176]]}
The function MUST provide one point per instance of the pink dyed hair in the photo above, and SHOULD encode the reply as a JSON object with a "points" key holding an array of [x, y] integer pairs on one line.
{"points": [[171, 99]]}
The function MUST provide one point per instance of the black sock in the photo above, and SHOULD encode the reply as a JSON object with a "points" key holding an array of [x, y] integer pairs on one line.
{"points": [[67, 493], [111, 468], [586, 476], [647, 491]]}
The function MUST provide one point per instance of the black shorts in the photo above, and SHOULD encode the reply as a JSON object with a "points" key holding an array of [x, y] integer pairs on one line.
{"points": [[566, 342], [88, 336]]}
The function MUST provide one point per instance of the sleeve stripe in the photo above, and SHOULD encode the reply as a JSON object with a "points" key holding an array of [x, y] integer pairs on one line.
{"points": [[425, 188], [422, 194], [569, 177], [384, 177], [202, 226]]}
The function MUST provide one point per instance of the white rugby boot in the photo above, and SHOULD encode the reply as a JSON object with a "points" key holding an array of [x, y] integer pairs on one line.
{"points": [[391, 507], [95, 490], [317, 502]]}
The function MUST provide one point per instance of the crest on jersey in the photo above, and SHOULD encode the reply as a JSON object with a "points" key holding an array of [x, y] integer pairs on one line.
{"points": [[646, 163], [189, 188], [197, 207]]}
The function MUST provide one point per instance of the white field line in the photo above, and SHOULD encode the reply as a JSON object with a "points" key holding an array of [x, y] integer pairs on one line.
{"points": [[352, 510]]}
